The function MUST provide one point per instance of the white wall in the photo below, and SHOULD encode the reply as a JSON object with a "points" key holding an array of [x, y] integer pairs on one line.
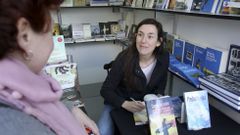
{"points": [[88, 15], [209, 32], [90, 58]]}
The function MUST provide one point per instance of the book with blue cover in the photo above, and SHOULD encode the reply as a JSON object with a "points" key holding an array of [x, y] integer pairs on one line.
{"points": [[215, 61], [161, 116], [178, 50], [209, 6], [197, 110], [199, 57], [192, 74], [189, 53]]}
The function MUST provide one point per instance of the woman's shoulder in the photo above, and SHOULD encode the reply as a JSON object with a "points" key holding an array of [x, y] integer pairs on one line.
{"points": [[14, 121], [164, 55]]}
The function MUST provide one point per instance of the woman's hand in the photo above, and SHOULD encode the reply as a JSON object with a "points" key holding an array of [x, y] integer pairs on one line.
{"points": [[85, 120], [133, 106]]}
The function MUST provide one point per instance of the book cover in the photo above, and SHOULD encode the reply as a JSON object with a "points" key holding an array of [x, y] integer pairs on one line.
{"points": [[95, 29], [66, 30], [233, 64], [177, 106], [199, 57], [208, 5], [87, 30], [161, 116], [234, 7], [59, 51], [172, 4], [197, 5], [189, 52], [114, 27], [56, 29], [215, 61], [188, 4], [104, 28], [197, 110], [160, 4], [78, 3], [225, 8], [64, 73], [178, 50], [140, 118], [77, 30], [169, 42], [180, 5]]}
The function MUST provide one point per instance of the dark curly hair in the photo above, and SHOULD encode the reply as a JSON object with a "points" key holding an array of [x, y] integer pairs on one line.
{"points": [[36, 12]]}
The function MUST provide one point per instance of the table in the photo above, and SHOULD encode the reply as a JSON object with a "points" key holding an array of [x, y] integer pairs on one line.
{"points": [[221, 125]]}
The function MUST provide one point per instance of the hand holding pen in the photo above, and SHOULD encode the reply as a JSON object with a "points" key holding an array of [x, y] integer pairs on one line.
{"points": [[133, 106]]}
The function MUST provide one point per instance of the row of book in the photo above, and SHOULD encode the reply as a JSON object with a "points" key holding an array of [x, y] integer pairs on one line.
{"points": [[226, 86], [161, 112], [79, 3], [80, 32], [191, 60], [208, 6]]}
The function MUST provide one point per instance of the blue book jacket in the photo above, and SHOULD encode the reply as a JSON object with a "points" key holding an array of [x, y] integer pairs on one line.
{"points": [[178, 50], [199, 58], [188, 53], [212, 61]]}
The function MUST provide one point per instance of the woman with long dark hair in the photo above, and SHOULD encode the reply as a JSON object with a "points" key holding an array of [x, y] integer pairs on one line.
{"points": [[139, 70]]}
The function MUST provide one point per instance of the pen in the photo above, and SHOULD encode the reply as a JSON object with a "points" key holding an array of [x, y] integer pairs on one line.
{"points": [[134, 100]]}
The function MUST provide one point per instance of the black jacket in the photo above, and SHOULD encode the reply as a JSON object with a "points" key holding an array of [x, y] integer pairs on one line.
{"points": [[115, 91]]}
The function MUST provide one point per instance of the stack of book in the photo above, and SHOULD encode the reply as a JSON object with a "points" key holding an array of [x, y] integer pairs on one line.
{"points": [[225, 86], [64, 71]]}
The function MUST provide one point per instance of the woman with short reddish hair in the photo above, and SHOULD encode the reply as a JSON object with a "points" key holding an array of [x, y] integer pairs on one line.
{"points": [[29, 100]]}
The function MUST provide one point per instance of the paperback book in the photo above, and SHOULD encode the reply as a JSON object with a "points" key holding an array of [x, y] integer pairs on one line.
{"points": [[178, 50], [199, 57], [161, 116], [233, 66], [59, 52], [189, 52], [64, 73], [197, 110], [215, 61], [169, 42], [140, 118]]}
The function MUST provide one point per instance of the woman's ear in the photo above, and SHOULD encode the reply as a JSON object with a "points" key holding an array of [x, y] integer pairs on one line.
{"points": [[24, 30], [159, 42]]}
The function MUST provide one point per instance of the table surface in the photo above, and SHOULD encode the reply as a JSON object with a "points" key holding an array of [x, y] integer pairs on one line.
{"points": [[220, 125]]}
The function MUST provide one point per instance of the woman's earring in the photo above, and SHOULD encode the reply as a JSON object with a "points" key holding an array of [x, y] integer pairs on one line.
{"points": [[28, 55]]}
